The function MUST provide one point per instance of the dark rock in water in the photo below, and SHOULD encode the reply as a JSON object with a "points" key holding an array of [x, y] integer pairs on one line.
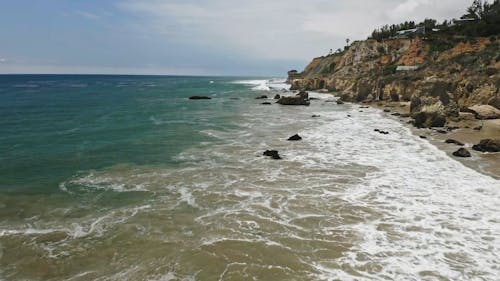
{"points": [[423, 137], [452, 128], [429, 119], [478, 128], [462, 152], [301, 98], [442, 132], [452, 141], [405, 115], [200, 98], [340, 102], [488, 145], [349, 115], [361, 111], [377, 130], [382, 132], [272, 153], [277, 97], [316, 116], [313, 99], [261, 97], [396, 114], [266, 103], [364, 107], [387, 110], [295, 137]]}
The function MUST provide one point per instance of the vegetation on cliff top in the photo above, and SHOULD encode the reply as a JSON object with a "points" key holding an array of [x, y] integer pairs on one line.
{"points": [[481, 19]]}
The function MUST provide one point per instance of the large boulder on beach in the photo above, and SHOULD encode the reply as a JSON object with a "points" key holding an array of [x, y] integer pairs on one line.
{"points": [[200, 98], [273, 154], [488, 145], [301, 98], [462, 152], [427, 112], [485, 112], [429, 119]]}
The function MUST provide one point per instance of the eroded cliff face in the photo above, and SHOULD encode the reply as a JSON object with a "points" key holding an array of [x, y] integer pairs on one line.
{"points": [[463, 74]]}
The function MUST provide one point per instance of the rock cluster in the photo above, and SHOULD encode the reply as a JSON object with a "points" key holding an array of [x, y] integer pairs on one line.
{"points": [[301, 98]]}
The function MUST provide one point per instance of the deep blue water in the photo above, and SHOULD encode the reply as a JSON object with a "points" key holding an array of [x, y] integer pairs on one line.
{"points": [[54, 126]]}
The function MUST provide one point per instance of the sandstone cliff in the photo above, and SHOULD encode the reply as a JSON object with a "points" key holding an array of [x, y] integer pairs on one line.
{"points": [[451, 74]]}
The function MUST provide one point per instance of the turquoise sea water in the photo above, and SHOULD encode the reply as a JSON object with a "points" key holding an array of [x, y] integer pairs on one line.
{"points": [[125, 178], [52, 127]]}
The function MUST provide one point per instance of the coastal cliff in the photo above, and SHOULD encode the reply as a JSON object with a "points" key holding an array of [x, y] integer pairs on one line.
{"points": [[440, 76]]}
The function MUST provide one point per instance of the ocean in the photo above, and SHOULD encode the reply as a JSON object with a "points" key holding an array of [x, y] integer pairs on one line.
{"points": [[125, 178]]}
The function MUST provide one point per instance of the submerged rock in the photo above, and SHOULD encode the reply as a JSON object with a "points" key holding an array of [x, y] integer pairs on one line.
{"points": [[200, 98], [316, 116], [272, 153], [261, 97], [452, 141], [277, 97], [488, 145], [295, 137], [266, 103], [462, 152], [339, 101]]}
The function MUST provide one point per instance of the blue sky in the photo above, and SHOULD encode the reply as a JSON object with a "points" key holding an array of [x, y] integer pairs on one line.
{"points": [[199, 37]]}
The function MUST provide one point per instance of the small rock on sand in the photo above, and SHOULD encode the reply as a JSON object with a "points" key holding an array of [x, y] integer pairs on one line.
{"points": [[462, 152]]}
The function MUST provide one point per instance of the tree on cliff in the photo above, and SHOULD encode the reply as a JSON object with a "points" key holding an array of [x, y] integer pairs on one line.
{"points": [[481, 19]]}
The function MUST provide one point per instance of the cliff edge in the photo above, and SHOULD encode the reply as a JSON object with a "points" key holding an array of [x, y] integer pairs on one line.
{"points": [[442, 76]]}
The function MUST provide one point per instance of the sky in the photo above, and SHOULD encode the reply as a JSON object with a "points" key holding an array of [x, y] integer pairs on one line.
{"points": [[192, 37]]}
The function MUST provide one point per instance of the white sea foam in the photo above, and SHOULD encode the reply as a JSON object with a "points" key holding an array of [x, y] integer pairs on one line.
{"points": [[258, 85], [101, 182], [265, 85], [346, 203]]}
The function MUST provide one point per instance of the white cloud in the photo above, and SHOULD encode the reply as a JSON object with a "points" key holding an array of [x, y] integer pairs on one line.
{"points": [[88, 15], [280, 29]]}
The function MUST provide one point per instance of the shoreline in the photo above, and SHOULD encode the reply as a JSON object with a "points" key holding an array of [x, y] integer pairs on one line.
{"points": [[485, 163]]}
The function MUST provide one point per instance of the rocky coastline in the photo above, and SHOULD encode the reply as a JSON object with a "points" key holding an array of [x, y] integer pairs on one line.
{"points": [[450, 94]]}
